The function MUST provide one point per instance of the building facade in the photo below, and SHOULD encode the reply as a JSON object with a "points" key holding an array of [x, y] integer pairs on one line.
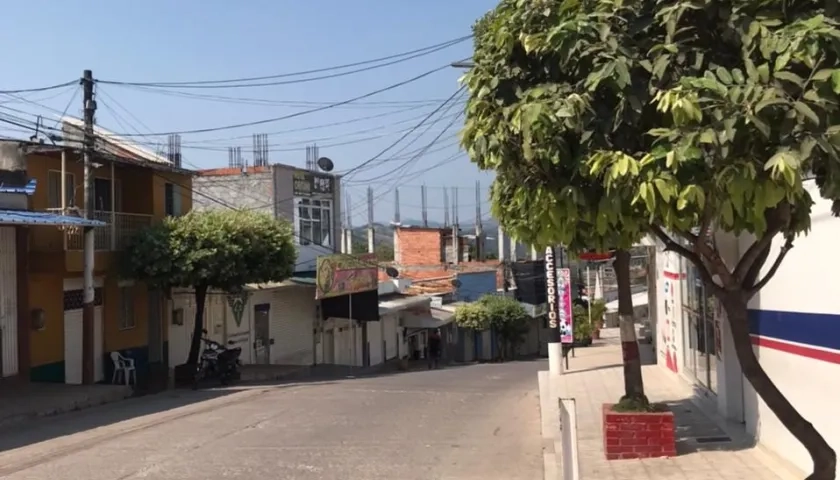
{"points": [[271, 323], [310, 200], [132, 190], [795, 331]]}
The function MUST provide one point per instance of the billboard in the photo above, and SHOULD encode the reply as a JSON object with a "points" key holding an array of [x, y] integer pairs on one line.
{"points": [[564, 291], [558, 289], [343, 274]]}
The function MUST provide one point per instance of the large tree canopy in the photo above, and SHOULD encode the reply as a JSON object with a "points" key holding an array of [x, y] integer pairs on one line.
{"points": [[222, 249], [675, 118]]}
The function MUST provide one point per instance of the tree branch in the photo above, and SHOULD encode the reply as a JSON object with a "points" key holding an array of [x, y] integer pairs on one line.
{"points": [[777, 220], [752, 290], [671, 245], [755, 270]]}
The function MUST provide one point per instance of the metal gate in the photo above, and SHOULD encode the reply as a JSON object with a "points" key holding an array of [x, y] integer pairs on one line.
{"points": [[8, 303], [262, 334]]}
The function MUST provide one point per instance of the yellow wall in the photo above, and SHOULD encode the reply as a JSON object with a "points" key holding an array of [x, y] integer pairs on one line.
{"points": [[184, 190], [116, 339], [47, 345], [142, 193]]}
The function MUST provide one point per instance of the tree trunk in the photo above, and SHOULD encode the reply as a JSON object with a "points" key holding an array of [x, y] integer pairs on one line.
{"points": [[633, 386], [198, 329], [822, 455]]}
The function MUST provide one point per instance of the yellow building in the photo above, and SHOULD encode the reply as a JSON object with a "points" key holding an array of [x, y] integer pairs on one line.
{"points": [[132, 189]]}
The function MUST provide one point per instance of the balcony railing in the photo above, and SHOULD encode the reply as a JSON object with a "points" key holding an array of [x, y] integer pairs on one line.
{"points": [[112, 237]]}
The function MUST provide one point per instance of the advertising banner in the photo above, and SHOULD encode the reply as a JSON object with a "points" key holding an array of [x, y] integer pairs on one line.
{"points": [[343, 274], [564, 292]]}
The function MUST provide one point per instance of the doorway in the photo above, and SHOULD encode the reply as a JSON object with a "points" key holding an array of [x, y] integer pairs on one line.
{"points": [[262, 334], [155, 326], [73, 337]]}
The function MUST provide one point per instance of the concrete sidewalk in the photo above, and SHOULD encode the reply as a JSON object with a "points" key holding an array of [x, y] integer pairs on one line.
{"points": [[705, 450], [27, 401]]}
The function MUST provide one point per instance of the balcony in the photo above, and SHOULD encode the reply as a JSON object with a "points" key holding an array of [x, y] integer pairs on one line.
{"points": [[113, 237]]}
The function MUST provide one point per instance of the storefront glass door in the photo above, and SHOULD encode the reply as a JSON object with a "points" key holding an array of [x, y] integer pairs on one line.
{"points": [[699, 329]]}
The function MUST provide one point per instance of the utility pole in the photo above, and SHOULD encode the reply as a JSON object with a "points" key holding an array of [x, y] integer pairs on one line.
{"points": [[88, 306]]}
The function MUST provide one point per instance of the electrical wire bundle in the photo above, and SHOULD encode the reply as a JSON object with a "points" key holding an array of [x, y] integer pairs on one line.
{"points": [[22, 121]]}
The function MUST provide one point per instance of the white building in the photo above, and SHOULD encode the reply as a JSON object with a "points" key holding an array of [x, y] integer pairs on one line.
{"points": [[795, 326], [273, 323]]}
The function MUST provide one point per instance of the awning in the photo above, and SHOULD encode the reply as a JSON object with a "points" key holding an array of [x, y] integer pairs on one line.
{"points": [[639, 299], [436, 319], [26, 217], [397, 302]]}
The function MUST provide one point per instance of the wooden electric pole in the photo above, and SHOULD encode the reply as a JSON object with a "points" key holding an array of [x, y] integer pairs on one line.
{"points": [[88, 306]]}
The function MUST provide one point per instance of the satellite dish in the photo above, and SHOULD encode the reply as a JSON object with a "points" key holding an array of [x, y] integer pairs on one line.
{"points": [[456, 283], [392, 272], [325, 164]]}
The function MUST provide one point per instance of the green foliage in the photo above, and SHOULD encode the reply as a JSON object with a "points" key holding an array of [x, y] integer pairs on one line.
{"points": [[222, 249], [599, 309], [507, 316], [606, 120], [583, 329], [472, 315], [640, 405], [383, 251], [503, 314]]}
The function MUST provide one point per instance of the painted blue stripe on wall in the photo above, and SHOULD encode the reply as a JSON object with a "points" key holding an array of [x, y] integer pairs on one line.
{"points": [[814, 329]]}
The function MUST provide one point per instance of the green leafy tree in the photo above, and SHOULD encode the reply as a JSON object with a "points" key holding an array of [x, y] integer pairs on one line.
{"points": [[695, 118], [504, 315], [473, 316], [531, 117], [508, 318], [216, 249]]}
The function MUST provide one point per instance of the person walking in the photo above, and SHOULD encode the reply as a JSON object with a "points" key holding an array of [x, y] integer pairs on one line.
{"points": [[434, 349]]}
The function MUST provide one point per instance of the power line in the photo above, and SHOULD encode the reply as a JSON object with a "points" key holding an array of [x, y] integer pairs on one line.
{"points": [[41, 89], [377, 156], [277, 103], [292, 115], [211, 83]]}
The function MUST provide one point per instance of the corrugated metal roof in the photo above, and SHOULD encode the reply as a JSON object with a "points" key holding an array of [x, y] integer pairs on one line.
{"points": [[23, 217], [28, 189]]}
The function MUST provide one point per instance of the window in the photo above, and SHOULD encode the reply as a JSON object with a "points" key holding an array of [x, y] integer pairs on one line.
{"points": [[314, 225], [102, 195], [127, 320], [54, 189], [172, 200]]}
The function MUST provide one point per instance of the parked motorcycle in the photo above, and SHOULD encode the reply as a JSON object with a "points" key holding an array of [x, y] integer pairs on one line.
{"points": [[217, 361]]}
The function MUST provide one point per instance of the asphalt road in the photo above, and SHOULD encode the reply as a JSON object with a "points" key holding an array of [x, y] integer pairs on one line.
{"points": [[470, 422]]}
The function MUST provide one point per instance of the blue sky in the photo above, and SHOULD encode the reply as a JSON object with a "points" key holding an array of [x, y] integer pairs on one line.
{"points": [[51, 42]]}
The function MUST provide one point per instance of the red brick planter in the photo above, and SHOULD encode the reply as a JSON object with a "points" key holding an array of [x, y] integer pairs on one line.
{"points": [[638, 435]]}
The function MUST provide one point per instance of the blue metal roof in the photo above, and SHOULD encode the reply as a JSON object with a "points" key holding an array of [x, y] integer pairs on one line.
{"points": [[24, 217], [28, 189]]}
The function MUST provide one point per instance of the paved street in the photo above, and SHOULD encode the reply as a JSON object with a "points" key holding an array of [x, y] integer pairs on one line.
{"points": [[479, 421]]}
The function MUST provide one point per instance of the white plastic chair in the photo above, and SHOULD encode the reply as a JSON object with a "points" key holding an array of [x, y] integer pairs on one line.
{"points": [[123, 368]]}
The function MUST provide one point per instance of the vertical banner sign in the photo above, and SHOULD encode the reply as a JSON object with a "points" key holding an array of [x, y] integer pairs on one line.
{"points": [[554, 333], [564, 291]]}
